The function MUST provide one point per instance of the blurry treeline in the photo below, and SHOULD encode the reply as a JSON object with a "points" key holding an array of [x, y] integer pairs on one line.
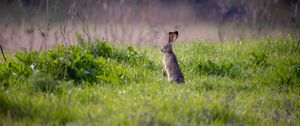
{"points": [[40, 24]]}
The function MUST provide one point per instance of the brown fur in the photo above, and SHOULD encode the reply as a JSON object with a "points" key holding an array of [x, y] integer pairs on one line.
{"points": [[171, 66]]}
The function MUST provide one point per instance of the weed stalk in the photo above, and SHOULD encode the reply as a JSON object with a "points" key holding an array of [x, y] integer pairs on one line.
{"points": [[2, 53]]}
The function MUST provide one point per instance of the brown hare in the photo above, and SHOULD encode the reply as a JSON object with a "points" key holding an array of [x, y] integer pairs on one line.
{"points": [[171, 66]]}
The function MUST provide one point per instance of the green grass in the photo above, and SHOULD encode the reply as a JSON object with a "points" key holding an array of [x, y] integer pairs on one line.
{"points": [[249, 82]]}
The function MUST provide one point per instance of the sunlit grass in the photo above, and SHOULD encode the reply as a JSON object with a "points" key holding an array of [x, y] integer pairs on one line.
{"points": [[252, 83]]}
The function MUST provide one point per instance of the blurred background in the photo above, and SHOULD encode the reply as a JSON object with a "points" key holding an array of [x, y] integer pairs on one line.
{"points": [[41, 24]]}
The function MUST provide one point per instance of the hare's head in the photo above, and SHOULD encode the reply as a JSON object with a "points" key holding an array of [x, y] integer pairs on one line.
{"points": [[172, 38], [167, 48]]}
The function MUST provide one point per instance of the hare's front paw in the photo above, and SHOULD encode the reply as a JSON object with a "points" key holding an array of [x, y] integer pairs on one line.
{"points": [[164, 72]]}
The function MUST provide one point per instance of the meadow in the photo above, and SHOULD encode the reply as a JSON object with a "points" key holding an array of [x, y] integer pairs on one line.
{"points": [[98, 83]]}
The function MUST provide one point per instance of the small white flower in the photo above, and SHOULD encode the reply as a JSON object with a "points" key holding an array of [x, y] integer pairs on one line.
{"points": [[33, 66], [14, 74], [122, 92]]}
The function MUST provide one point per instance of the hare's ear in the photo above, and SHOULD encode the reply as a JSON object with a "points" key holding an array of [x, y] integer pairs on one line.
{"points": [[173, 36], [170, 37]]}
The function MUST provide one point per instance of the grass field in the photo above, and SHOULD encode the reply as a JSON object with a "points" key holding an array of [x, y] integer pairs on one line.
{"points": [[234, 83]]}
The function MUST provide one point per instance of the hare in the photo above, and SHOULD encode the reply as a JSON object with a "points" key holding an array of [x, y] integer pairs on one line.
{"points": [[171, 66]]}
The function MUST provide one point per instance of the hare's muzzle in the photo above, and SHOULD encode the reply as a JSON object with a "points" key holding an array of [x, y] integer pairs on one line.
{"points": [[162, 50]]}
